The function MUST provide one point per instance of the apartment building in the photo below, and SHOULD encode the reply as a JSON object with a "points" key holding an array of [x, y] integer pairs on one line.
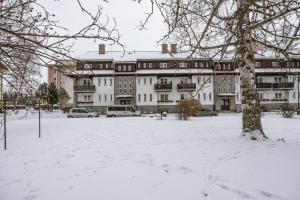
{"points": [[57, 75], [155, 81]]}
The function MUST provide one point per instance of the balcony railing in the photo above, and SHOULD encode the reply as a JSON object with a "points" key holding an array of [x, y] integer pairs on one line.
{"points": [[84, 88], [164, 101], [163, 86], [276, 100], [186, 86], [286, 85]]}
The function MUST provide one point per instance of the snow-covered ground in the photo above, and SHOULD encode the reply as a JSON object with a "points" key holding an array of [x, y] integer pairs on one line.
{"points": [[145, 158]]}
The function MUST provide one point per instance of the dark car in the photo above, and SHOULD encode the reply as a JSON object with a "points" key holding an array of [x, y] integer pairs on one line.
{"points": [[204, 113]]}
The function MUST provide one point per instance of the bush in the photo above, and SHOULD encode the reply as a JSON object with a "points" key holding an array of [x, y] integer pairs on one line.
{"points": [[287, 111], [188, 108]]}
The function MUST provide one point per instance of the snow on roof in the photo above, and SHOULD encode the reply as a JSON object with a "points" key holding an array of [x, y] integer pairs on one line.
{"points": [[133, 56], [92, 72], [173, 71], [127, 56], [272, 70]]}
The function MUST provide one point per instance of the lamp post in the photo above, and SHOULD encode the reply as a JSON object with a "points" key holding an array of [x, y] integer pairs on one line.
{"points": [[298, 110], [39, 117]]}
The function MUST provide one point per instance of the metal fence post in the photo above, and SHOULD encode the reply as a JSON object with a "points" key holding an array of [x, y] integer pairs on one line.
{"points": [[4, 123], [39, 118]]}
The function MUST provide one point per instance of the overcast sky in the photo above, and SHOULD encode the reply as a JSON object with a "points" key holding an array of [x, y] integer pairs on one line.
{"points": [[127, 13]]}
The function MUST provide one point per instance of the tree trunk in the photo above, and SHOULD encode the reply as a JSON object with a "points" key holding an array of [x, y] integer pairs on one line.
{"points": [[246, 62]]}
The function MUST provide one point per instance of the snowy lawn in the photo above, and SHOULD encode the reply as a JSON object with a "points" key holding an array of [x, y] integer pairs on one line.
{"points": [[144, 158]]}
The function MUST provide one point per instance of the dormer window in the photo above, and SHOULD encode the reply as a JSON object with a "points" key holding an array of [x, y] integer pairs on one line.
{"points": [[196, 64], [87, 66], [144, 65], [119, 68], [101, 66], [150, 65], [124, 67], [182, 64], [275, 64], [163, 65], [129, 67], [139, 65]]}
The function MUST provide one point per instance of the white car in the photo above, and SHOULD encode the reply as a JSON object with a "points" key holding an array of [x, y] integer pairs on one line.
{"points": [[122, 111], [81, 113]]}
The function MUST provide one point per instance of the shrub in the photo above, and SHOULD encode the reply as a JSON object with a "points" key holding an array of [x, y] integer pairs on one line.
{"points": [[188, 108], [287, 111]]}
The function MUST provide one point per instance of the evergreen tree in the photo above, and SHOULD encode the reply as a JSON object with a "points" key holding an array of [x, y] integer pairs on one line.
{"points": [[63, 97]]}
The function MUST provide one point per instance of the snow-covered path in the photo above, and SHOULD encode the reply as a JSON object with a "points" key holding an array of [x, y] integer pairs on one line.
{"points": [[144, 158]]}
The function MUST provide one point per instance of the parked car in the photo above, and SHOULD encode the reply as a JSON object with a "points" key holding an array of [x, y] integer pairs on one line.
{"points": [[205, 112], [80, 113], [122, 111]]}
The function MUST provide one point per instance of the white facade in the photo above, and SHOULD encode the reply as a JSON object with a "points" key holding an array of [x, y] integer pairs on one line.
{"points": [[104, 91], [145, 93]]}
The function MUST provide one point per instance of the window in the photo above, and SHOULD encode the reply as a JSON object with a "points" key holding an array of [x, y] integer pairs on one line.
{"points": [[260, 96], [124, 67], [145, 97], [111, 97], [201, 64], [139, 81], [275, 64], [204, 96], [99, 97], [106, 66], [196, 64], [150, 97], [87, 66], [198, 80], [198, 96], [105, 97], [119, 68], [182, 64], [139, 65], [181, 97], [210, 96], [139, 97], [101, 66], [145, 80], [144, 65], [150, 81], [110, 81], [164, 97], [294, 95], [237, 96], [163, 65], [104, 81], [259, 79], [130, 91], [257, 64], [150, 65], [129, 67], [99, 81], [278, 95]]}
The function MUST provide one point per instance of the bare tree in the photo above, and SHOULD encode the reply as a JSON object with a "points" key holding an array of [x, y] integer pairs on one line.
{"points": [[236, 29], [31, 37]]}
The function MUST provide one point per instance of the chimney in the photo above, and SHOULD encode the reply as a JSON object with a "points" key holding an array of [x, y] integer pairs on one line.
{"points": [[164, 48], [173, 48], [101, 48]]}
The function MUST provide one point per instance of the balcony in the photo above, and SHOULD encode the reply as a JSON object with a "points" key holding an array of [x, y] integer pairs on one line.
{"points": [[273, 100], [284, 86], [84, 88], [186, 86], [163, 86]]}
